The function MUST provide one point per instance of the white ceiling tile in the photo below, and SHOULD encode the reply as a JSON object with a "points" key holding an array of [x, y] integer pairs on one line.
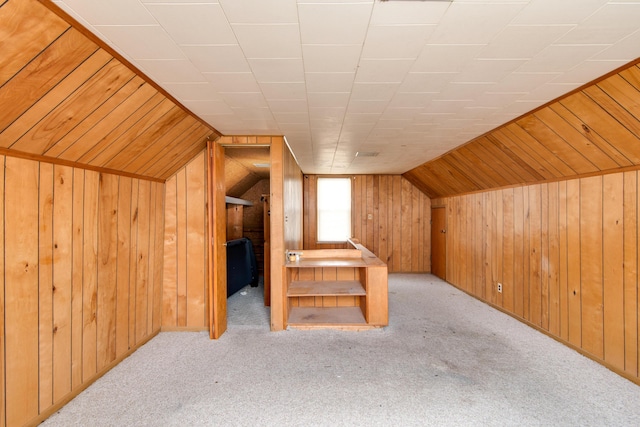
{"points": [[284, 90], [328, 99], [292, 118], [277, 70], [171, 71], [142, 42], [383, 71], [252, 113], [115, 12], [330, 113], [334, 23], [331, 58], [543, 12], [395, 113], [607, 25], [232, 82], [396, 41], [463, 90], [244, 99], [269, 41], [523, 81], [586, 72], [329, 82], [373, 91], [412, 99], [356, 106], [224, 58], [409, 12], [445, 58], [425, 82], [488, 20], [488, 70], [194, 23], [523, 41], [626, 49], [260, 11], [288, 105], [207, 108], [560, 58], [193, 91]]}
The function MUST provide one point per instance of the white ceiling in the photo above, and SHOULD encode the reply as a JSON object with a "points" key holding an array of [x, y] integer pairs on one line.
{"points": [[408, 79]]}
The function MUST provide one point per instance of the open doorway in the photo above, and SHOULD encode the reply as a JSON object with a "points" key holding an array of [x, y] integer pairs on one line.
{"points": [[247, 183], [235, 172]]}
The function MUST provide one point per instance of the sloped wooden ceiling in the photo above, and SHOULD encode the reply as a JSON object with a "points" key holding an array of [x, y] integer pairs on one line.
{"points": [[593, 130], [67, 100]]}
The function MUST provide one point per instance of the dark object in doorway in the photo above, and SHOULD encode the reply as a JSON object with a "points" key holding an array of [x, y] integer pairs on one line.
{"points": [[242, 269]]}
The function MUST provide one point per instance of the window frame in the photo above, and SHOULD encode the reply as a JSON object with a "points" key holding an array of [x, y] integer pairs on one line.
{"points": [[317, 209]]}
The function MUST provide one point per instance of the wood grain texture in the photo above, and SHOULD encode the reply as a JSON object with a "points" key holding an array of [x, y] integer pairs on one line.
{"points": [[568, 260], [66, 242], [592, 131], [398, 230], [68, 98]]}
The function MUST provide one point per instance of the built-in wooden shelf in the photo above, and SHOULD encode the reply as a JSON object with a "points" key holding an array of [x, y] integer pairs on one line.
{"points": [[326, 316], [337, 288], [317, 288]]}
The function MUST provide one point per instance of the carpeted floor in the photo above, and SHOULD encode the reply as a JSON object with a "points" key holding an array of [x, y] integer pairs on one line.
{"points": [[446, 359]]}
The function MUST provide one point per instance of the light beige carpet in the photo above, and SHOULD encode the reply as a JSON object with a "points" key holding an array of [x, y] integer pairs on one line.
{"points": [[444, 360]]}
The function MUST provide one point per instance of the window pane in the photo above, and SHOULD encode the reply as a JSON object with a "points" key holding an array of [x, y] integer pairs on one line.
{"points": [[334, 209]]}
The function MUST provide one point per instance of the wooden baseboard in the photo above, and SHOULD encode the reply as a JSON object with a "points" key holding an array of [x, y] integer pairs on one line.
{"points": [[68, 398], [625, 375]]}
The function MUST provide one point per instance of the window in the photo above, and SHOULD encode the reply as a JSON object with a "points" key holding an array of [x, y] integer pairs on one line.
{"points": [[334, 209]]}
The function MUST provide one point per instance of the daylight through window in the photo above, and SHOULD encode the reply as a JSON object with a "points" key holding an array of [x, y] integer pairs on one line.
{"points": [[334, 209]]}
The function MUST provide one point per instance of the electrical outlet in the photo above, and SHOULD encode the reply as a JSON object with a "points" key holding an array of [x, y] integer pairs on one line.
{"points": [[500, 287]]}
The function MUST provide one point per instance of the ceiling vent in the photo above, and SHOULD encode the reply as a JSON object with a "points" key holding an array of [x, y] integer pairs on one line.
{"points": [[367, 154]]}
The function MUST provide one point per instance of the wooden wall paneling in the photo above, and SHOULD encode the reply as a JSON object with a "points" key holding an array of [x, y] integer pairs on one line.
{"points": [[519, 247], [90, 275], [74, 109], [526, 290], [169, 165], [383, 221], [43, 72], [2, 298], [133, 261], [76, 278], [563, 280], [278, 239], [195, 244], [375, 224], [21, 291], [123, 265], [32, 29], [182, 245], [508, 250], [405, 237], [45, 284], [148, 140], [533, 159], [613, 273], [62, 280], [159, 257], [478, 243], [142, 274], [417, 230], [107, 270], [359, 214], [55, 96], [504, 162], [396, 221], [151, 280], [573, 162], [630, 268], [118, 145], [329, 274], [84, 147], [170, 265], [622, 107], [553, 261], [574, 273], [499, 245], [591, 265], [426, 233], [544, 256], [486, 250]]}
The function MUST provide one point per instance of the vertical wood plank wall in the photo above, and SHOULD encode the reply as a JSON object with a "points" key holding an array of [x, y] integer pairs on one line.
{"points": [[398, 230], [79, 287], [566, 254], [185, 230]]}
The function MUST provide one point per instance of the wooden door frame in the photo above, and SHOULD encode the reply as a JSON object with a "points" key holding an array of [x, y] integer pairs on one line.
{"points": [[434, 233], [217, 254]]}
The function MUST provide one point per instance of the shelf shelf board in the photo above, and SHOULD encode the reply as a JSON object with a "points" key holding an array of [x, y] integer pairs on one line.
{"points": [[326, 316], [313, 288]]}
